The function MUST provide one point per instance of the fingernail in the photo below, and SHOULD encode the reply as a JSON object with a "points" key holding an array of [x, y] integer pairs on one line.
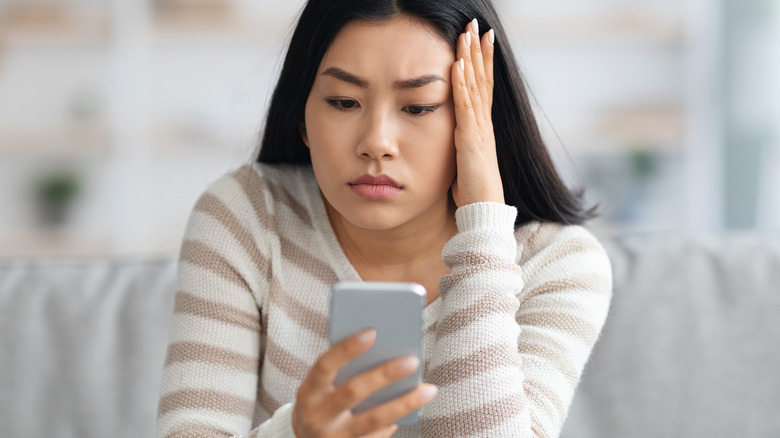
{"points": [[428, 392], [461, 64], [468, 39], [408, 364], [491, 36], [475, 26], [367, 336]]}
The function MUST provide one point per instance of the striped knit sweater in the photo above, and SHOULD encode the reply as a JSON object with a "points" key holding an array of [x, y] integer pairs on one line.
{"points": [[505, 342]]}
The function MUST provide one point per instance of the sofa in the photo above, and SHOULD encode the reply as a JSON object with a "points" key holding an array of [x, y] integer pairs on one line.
{"points": [[691, 347]]}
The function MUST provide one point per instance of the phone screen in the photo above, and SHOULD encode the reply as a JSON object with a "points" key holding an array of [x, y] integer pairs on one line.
{"points": [[395, 311]]}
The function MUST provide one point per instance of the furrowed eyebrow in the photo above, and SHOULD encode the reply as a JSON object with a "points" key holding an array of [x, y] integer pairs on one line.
{"points": [[403, 84]]}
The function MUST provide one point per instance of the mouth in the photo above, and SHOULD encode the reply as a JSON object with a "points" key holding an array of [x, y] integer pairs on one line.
{"points": [[375, 188]]}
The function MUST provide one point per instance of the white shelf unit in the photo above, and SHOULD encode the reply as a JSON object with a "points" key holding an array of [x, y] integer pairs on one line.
{"points": [[153, 100], [627, 101]]}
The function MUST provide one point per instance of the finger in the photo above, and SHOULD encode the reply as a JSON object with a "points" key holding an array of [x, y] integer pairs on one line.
{"points": [[384, 433], [394, 409], [465, 117], [477, 62], [488, 51], [323, 372], [467, 41], [363, 385], [464, 110]]}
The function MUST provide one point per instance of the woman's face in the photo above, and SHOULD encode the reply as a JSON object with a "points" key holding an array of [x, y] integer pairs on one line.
{"points": [[380, 121]]}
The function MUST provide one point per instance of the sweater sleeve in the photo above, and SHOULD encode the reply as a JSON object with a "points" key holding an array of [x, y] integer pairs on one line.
{"points": [[510, 345], [210, 377]]}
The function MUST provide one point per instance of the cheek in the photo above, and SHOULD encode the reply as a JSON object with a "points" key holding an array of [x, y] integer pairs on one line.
{"points": [[318, 130], [437, 143]]}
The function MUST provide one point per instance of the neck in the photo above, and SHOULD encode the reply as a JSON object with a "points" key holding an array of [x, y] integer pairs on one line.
{"points": [[397, 254]]}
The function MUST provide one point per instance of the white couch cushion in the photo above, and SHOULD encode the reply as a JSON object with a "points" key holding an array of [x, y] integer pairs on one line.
{"points": [[691, 346], [82, 346]]}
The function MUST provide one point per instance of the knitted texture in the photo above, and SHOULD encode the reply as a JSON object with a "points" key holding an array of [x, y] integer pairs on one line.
{"points": [[506, 341]]}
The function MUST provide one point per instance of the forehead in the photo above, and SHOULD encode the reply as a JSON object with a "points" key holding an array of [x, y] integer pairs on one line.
{"points": [[400, 46]]}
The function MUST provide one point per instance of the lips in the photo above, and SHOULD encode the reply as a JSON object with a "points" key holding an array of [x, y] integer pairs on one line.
{"points": [[375, 188]]}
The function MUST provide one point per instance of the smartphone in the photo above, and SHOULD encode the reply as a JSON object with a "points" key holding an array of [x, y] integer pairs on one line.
{"points": [[395, 311]]}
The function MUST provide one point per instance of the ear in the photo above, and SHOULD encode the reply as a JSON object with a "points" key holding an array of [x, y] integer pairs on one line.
{"points": [[304, 136]]}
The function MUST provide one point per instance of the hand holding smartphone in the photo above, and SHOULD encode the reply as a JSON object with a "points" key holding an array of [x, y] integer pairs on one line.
{"points": [[395, 311]]}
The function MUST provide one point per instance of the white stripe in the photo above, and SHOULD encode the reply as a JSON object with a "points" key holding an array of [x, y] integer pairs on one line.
{"points": [[477, 390], [190, 419], [275, 382], [215, 288], [201, 375], [502, 330], [206, 229], [300, 343], [192, 328]]}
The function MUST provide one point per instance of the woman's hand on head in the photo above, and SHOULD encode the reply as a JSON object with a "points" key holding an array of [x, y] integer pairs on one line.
{"points": [[478, 178], [323, 409]]}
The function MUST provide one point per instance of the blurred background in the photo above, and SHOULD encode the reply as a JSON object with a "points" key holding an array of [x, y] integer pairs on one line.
{"points": [[116, 114]]}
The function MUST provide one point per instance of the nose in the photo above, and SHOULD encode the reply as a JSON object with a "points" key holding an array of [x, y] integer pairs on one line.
{"points": [[379, 139]]}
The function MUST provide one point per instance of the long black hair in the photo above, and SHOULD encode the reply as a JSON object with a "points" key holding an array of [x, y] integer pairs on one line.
{"points": [[530, 179]]}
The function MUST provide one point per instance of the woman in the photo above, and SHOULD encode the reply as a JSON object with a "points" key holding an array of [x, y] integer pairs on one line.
{"points": [[399, 146]]}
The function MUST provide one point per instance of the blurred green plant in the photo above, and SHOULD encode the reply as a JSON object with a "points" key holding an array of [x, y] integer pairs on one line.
{"points": [[643, 164], [55, 194]]}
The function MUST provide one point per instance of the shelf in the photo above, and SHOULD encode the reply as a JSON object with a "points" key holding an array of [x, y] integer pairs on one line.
{"points": [[605, 28], [73, 140], [659, 129], [51, 243], [183, 21], [619, 131], [34, 24]]}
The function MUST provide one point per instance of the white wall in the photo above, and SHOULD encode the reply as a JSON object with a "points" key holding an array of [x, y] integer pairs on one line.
{"points": [[150, 111]]}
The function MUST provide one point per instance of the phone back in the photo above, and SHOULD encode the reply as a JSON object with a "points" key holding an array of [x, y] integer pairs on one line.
{"points": [[395, 311]]}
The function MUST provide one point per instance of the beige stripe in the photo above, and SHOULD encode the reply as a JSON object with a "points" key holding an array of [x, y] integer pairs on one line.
{"points": [[306, 262], [305, 317], [267, 401], [201, 255], [462, 272], [202, 431], [213, 206], [481, 361], [556, 356], [477, 258], [546, 402], [254, 185], [474, 421], [432, 328], [482, 308], [524, 232], [285, 198], [568, 247], [570, 323], [203, 353], [207, 399], [587, 282], [541, 239], [285, 362], [194, 305]]}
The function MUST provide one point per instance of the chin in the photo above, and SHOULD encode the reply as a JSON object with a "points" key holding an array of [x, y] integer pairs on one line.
{"points": [[374, 220]]}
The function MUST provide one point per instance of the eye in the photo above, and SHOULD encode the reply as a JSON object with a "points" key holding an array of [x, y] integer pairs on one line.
{"points": [[418, 110], [342, 104]]}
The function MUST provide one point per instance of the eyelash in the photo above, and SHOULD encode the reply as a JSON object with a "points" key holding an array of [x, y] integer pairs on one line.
{"points": [[338, 104]]}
